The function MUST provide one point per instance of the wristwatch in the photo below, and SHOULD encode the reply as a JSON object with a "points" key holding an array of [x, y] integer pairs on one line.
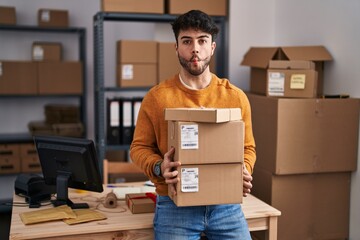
{"points": [[157, 168]]}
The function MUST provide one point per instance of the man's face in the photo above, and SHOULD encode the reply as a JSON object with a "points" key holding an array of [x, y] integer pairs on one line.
{"points": [[194, 50]]}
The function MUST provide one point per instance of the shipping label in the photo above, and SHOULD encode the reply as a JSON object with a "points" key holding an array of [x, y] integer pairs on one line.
{"points": [[276, 84], [127, 72], [189, 136], [190, 179]]}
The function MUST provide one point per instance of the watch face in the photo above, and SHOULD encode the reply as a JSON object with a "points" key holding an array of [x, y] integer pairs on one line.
{"points": [[157, 169]]}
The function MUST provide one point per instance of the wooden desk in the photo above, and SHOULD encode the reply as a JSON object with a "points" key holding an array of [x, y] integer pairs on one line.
{"points": [[125, 225]]}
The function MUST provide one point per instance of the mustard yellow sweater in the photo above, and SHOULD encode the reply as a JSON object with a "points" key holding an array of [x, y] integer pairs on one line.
{"points": [[150, 138]]}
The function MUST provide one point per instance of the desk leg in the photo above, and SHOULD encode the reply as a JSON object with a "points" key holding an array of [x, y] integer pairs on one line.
{"points": [[271, 233]]}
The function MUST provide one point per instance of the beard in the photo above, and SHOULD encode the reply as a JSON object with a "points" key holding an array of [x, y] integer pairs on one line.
{"points": [[196, 71]]}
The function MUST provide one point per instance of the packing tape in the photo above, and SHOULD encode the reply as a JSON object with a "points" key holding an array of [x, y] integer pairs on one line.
{"points": [[110, 200]]}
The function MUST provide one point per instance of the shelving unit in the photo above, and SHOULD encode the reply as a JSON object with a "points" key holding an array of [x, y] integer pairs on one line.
{"points": [[81, 34], [99, 85]]}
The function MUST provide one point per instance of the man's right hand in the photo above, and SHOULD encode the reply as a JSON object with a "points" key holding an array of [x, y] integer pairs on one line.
{"points": [[169, 172]]}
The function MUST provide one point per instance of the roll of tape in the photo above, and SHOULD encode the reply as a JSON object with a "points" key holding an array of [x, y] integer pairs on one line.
{"points": [[110, 200]]}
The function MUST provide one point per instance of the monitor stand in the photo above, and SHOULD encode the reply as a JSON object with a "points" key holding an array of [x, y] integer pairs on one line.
{"points": [[62, 192]]}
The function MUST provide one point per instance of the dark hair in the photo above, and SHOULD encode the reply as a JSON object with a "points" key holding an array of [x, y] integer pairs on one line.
{"points": [[195, 19]]}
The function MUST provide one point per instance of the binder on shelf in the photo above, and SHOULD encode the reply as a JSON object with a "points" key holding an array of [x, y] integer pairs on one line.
{"points": [[113, 121], [126, 121], [136, 108]]}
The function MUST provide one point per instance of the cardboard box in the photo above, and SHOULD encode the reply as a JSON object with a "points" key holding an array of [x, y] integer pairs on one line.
{"points": [[209, 115], [62, 113], [313, 206], [53, 18], [7, 15], [60, 78], [136, 51], [296, 79], [258, 58], [9, 158], [30, 162], [211, 7], [46, 51], [168, 62], [209, 184], [140, 202], [204, 143], [295, 136], [18, 77], [131, 6], [136, 75]]}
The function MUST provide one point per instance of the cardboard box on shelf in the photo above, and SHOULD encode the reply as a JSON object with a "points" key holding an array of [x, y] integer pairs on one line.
{"points": [[53, 18], [211, 7], [210, 115], [204, 143], [60, 78], [313, 206], [295, 136], [30, 162], [168, 62], [46, 51], [137, 75], [209, 184], [131, 6], [18, 77], [258, 58], [296, 79], [7, 15], [141, 202], [9, 158], [136, 51]]}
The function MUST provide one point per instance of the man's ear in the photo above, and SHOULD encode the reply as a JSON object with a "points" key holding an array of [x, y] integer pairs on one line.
{"points": [[213, 46]]}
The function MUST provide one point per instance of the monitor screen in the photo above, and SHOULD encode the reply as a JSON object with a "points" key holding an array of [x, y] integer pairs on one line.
{"points": [[69, 163]]}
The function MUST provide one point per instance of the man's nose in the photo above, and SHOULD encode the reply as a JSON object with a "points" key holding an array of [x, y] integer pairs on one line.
{"points": [[195, 48]]}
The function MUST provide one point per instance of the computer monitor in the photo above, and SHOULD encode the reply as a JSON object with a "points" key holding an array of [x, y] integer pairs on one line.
{"points": [[69, 163]]}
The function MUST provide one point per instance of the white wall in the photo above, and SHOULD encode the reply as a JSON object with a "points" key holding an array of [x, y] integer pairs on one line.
{"points": [[332, 23]]}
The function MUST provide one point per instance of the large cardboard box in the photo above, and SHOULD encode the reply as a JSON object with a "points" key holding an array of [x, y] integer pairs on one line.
{"points": [[46, 51], [18, 77], [60, 78], [168, 62], [137, 63], [53, 18], [209, 115], [258, 58], [296, 79], [209, 184], [313, 206], [211, 7], [204, 143], [305, 135], [9, 158], [131, 6], [7, 15]]}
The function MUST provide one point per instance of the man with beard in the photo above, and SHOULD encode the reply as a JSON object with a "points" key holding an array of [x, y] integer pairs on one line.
{"points": [[195, 86]]}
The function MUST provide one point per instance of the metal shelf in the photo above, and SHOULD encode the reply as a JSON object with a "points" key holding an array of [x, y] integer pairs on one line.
{"points": [[100, 89], [81, 33]]}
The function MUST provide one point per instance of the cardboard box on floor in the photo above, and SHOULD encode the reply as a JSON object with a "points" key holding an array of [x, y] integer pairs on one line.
{"points": [[18, 77], [211, 7], [7, 15], [313, 206], [209, 184], [53, 18], [297, 79], [46, 51], [258, 59], [305, 135], [136, 63], [131, 6]]}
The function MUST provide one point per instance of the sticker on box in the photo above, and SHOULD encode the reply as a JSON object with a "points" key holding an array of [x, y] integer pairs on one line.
{"points": [[297, 81], [276, 84], [190, 179], [127, 72], [189, 136], [45, 16], [38, 53]]}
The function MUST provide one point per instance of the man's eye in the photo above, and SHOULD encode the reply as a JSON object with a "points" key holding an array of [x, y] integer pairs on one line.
{"points": [[186, 42]]}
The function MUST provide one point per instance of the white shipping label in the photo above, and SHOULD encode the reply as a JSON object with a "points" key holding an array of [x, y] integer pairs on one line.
{"points": [[190, 179], [189, 136], [45, 16], [38, 53], [127, 72], [276, 84]]}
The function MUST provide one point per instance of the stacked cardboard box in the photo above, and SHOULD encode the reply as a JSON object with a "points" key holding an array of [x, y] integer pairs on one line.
{"points": [[53, 18], [130, 6], [306, 146], [9, 158], [211, 166], [7, 15], [211, 7]]}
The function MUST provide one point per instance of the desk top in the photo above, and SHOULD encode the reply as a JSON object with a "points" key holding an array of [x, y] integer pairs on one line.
{"points": [[117, 219]]}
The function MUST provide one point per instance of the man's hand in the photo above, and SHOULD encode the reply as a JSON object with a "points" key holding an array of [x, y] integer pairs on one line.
{"points": [[247, 182], [168, 168]]}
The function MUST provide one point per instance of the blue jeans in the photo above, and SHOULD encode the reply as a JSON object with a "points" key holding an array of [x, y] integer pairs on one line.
{"points": [[218, 222]]}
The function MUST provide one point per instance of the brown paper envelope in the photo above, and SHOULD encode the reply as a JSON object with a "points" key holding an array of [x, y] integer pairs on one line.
{"points": [[46, 215], [85, 215]]}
